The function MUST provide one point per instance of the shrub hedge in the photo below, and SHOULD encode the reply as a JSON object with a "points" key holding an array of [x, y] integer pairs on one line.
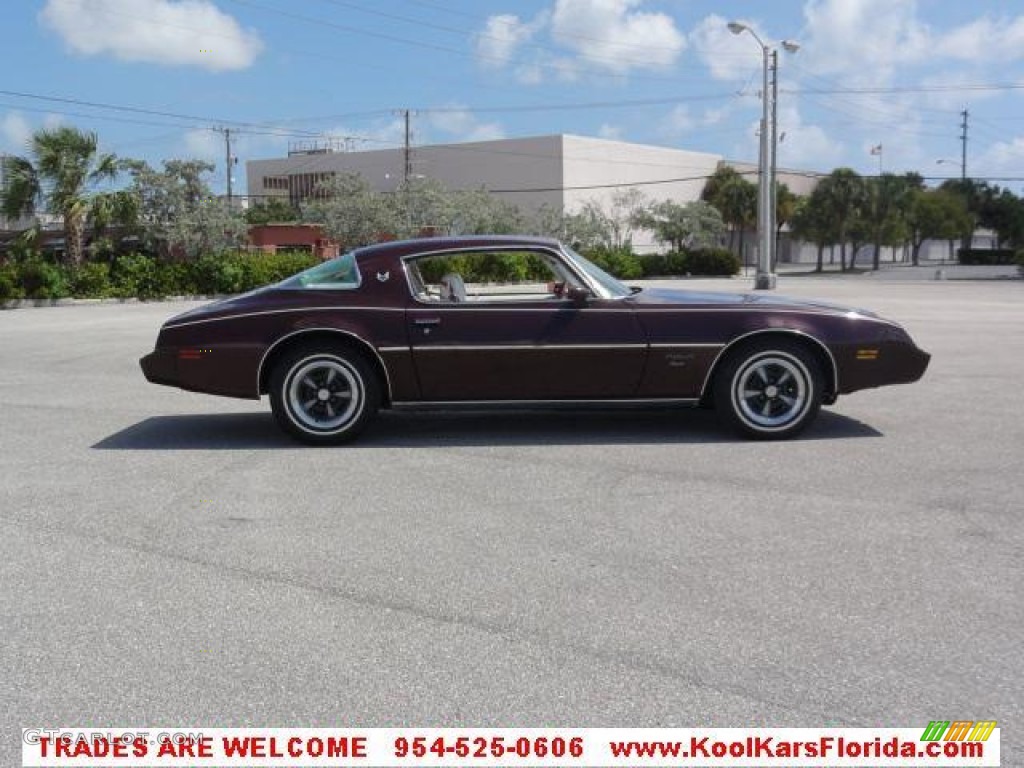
{"points": [[986, 256], [136, 275]]}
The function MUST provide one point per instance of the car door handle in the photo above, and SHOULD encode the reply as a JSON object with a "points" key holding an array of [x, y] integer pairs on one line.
{"points": [[427, 321]]}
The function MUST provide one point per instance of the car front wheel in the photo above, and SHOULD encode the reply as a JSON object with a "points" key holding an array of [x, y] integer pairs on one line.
{"points": [[769, 390], [323, 396]]}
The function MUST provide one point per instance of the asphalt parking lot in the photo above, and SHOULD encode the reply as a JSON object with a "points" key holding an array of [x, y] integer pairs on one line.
{"points": [[169, 558]]}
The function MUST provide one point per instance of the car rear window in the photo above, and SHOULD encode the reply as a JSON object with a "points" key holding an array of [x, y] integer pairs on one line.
{"points": [[341, 272]]}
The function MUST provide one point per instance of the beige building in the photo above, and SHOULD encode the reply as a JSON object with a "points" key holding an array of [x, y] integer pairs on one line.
{"points": [[560, 171]]}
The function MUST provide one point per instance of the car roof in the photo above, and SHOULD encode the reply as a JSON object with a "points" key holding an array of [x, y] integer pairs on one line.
{"points": [[425, 244]]}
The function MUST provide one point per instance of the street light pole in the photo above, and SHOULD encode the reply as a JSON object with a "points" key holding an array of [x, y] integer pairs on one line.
{"points": [[765, 278]]}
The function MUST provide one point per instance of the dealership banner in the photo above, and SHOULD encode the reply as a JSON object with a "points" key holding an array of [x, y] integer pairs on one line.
{"points": [[938, 743]]}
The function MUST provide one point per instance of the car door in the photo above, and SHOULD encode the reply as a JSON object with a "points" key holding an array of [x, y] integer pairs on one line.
{"points": [[487, 346], [521, 351]]}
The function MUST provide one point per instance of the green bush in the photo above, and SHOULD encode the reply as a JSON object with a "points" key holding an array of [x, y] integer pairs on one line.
{"points": [[986, 256], [134, 275], [260, 269], [90, 280], [1020, 262], [619, 262], [10, 286], [654, 265], [712, 261], [41, 280]]}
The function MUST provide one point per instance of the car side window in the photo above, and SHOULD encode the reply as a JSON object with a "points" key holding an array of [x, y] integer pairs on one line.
{"points": [[489, 276], [336, 273]]}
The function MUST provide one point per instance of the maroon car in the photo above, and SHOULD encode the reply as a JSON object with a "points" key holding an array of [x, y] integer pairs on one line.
{"points": [[496, 320]]}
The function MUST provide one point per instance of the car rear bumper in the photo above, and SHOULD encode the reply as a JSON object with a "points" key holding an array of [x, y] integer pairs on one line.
{"points": [[160, 367]]}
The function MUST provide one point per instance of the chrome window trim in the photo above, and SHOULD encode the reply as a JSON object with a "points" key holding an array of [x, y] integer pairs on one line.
{"points": [[266, 354], [327, 286], [557, 253]]}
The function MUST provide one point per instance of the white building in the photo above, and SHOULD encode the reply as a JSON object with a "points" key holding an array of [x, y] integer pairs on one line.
{"points": [[561, 171]]}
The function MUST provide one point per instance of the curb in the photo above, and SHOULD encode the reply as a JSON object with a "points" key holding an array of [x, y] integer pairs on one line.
{"points": [[43, 303]]}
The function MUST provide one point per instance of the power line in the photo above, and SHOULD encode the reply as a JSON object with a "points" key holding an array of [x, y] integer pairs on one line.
{"points": [[320, 22]]}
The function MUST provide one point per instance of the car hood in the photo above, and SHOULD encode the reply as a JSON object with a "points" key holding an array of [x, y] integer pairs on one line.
{"points": [[652, 296]]}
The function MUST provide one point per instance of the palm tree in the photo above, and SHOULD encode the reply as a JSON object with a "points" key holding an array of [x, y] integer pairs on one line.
{"points": [[785, 206], [810, 222], [64, 164], [886, 202], [735, 197], [842, 192]]}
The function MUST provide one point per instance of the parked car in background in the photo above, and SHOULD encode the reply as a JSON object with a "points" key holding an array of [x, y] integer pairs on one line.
{"points": [[488, 320]]}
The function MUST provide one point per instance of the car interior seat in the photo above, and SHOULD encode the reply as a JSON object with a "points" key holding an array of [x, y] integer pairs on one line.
{"points": [[453, 288]]}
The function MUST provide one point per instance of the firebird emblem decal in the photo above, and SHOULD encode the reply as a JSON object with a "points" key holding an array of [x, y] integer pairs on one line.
{"points": [[383, 276]]}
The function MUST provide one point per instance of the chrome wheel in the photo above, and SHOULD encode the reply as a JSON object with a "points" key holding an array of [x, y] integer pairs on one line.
{"points": [[771, 392], [324, 393], [769, 389], [323, 396]]}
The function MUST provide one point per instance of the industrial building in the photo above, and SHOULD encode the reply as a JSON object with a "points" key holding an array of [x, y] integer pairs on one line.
{"points": [[560, 171]]}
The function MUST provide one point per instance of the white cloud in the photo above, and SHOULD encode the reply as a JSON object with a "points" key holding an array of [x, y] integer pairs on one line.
{"points": [[679, 121], [204, 144], [502, 36], [15, 132], [609, 131], [806, 146], [1004, 158], [863, 40], [462, 125], [727, 56], [185, 33], [984, 39], [614, 35]]}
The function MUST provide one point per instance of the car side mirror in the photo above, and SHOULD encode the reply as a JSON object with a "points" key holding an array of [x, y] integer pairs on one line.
{"points": [[577, 296]]}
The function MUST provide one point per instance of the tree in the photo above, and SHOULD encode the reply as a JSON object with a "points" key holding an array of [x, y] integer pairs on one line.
{"points": [[351, 212], [935, 214], [589, 227], [886, 201], [696, 224], [735, 197], [842, 196], [785, 207], [479, 212], [271, 211], [1004, 213], [65, 164], [178, 214], [626, 205], [810, 222]]}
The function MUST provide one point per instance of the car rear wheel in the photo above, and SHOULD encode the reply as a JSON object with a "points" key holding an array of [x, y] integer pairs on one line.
{"points": [[770, 389], [323, 396]]}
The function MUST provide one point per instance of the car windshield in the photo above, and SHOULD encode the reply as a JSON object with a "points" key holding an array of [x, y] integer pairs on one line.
{"points": [[608, 287], [336, 273]]}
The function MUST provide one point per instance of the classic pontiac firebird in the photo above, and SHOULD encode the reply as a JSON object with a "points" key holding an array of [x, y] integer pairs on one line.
{"points": [[502, 320]]}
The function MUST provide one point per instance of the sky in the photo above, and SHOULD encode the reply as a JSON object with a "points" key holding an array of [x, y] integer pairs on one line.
{"points": [[155, 79]]}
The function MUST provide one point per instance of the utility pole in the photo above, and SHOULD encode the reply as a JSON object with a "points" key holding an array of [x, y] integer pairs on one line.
{"points": [[408, 147], [963, 141], [229, 159]]}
